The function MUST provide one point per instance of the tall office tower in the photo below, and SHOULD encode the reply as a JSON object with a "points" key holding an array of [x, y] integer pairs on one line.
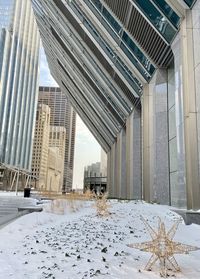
{"points": [[62, 114], [57, 139], [131, 69], [41, 146], [19, 49]]}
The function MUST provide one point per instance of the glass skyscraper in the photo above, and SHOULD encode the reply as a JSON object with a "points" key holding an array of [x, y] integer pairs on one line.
{"points": [[19, 56]]}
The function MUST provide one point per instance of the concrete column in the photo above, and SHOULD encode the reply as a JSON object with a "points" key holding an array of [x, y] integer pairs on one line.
{"points": [[109, 188], [124, 161], [155, 140], [133, 156], [121, 190], [111, 172], [147, 140], [186, 48], [161, 156]]}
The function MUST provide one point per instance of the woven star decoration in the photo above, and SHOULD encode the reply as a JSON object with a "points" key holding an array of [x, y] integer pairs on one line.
{"points": [[163, 248]]}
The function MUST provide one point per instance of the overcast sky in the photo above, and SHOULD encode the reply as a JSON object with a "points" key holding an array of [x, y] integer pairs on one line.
{"points": [[87, 150]]}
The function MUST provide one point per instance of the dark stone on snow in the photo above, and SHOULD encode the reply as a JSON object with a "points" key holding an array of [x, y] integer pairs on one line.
{"points": [[104, 250]]}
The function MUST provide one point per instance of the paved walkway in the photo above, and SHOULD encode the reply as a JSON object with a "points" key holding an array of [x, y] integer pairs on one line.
{"points": [[9, 208]]}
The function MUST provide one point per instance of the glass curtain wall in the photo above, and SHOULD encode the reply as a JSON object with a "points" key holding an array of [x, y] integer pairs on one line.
{"points": [[190, 3], [19, 47]]}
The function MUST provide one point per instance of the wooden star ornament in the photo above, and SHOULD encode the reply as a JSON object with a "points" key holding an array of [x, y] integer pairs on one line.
{"points": [[163, 247]]}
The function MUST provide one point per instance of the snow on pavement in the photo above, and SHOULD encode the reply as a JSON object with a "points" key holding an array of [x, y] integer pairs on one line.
{"points": [[78, 245]]}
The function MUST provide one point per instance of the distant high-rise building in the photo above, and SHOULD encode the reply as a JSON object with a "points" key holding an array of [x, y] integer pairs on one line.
{"points": [[103, 163], [62, 114], [48, 152], [19, 49], [54, 170], [41, 146], [94, 180], [57, 141]]}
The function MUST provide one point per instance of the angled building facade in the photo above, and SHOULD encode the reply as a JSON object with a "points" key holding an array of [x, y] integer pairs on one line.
{"points": [[19, 50], [131, 71], [62, 114]]}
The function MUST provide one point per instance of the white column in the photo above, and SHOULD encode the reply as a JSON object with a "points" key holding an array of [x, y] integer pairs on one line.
{"points": [[111, 172], [133, 156], [147, 140], [186, 48], [155, 140], [121, 190]]}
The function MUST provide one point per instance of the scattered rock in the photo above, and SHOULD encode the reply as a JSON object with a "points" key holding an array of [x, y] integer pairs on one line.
{"points": [[104, 250], [97, 272]]}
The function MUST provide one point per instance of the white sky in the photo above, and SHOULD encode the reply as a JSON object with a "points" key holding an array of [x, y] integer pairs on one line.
{"points": [[87, 150]]}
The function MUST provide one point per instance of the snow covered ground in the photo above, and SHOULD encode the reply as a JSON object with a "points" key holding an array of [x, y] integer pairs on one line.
{"points": [[78, 244], [11, 194]]}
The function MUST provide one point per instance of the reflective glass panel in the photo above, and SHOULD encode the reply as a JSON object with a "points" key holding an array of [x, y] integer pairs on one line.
{"points": [[129, 47], [189, 2], [6, 12], [111, 20], [138, 53], [157, 19], [167, 10], [137, 86]]}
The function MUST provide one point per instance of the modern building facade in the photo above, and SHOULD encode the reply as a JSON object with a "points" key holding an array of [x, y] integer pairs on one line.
{"points": [[57, 141], [62, 114], [94, 179], [131, 71], [103, 163], [48, 152], [41, 146], [19, 50], [54, 176]]}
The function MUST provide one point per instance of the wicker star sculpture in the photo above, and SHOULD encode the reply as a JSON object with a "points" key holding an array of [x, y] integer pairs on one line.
{"points": [[163, 248]]}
